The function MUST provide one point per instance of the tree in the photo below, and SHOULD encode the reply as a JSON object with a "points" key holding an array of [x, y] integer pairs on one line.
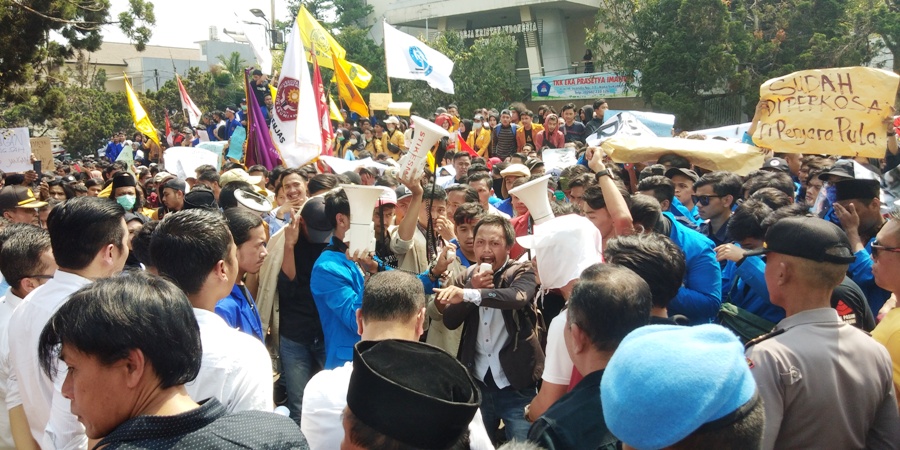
{"points": [[233, 63], [886, 17], [92, 117]]}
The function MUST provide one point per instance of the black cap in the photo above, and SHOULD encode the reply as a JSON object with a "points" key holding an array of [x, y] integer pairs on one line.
{"points": [[808, 238], [842, 169], [857, 189], [776, 165], [318, 227], [679, 171], [17, 196], [412, 392], [123, 179], [175, 184], [200, 198]]}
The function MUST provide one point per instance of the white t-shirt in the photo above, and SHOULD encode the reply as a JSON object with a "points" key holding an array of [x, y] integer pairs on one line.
{"points": [[557, 364], [8, 304]]}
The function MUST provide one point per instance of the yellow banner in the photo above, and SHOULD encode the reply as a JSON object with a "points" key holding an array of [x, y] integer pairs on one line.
{"points": [[711, 154], [348, 92], [838, 111], [141, 120]]}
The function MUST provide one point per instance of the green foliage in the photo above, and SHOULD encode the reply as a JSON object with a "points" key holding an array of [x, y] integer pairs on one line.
{"points": [[362, 50], [233, 63], [92, 117]]}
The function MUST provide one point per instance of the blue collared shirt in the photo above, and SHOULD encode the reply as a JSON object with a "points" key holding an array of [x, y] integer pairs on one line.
{"points": [[239, 311]]}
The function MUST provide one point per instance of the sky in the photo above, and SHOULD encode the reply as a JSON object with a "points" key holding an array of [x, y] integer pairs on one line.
{"points": [[181, 23]]}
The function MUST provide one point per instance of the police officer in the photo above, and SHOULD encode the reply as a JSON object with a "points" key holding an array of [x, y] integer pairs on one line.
{"points": [[825, 384]]}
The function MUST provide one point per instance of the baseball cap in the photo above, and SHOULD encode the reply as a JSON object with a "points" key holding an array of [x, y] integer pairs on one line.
{"points": [[776, 165], [808, 238], [679, 171], [199, 198], [238, 175], [318, 227], [393, 119], [17, 196], [516, 170], [402, 192], [162, 177], [175, 184], [388, 197], [664, 382]]}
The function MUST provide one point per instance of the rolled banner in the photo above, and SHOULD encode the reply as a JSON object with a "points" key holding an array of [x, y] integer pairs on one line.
{"points": [[362, 202], [425, 135]]}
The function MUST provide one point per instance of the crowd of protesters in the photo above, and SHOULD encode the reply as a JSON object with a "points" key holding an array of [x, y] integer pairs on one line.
{"points": [[661, 305]]}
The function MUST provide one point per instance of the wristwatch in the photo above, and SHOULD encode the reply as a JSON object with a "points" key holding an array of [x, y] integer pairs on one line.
{"points": [[604, 173]]}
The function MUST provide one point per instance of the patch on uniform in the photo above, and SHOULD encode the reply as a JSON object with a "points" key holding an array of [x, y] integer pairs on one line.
{"points": [[847, 314], [750, 363], [492, 294]]}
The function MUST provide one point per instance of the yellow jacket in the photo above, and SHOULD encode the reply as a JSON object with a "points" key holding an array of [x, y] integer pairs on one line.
{"points": [[480, 143], [396, 139], [520, 135]]}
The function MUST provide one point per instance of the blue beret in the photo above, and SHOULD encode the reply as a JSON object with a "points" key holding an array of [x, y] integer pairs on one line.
{"points": [[666, 381]]}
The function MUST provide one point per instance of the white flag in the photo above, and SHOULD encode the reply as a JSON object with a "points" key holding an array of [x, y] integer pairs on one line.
{"points": [[408, 58], [294, 130]]}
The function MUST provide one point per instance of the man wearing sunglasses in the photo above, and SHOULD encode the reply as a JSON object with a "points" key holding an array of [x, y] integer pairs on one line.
{"points": [[886, 270], [715, 194]]}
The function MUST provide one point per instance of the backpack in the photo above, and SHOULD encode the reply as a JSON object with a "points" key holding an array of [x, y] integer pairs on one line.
{"points": [[497, 131], [743, 323]]}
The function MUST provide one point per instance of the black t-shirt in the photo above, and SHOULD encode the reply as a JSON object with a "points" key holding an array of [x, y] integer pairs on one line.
{"points": [[529, 139], [299, 318], [575, 132], [261, 91], [852, 306]]}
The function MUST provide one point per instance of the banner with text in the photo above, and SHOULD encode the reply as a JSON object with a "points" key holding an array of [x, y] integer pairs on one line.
{"points": [[582, 86], [711, 154], [839, 111], [15, 150]]}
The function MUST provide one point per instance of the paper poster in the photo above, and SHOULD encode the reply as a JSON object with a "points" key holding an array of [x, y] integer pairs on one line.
{"points": [[42, 150], [182, 161], [558, 158], [711, 154], [15, 150], [621, 124], [838, 111]]}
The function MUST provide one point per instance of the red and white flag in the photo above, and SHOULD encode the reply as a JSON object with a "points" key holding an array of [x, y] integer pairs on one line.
{"points": [[191, 111]]}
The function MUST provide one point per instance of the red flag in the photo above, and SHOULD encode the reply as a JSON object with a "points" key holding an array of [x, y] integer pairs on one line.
{"points": [[322, 107], [464, 147]]}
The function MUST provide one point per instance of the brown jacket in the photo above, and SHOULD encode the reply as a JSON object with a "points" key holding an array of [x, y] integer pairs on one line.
{"points": [[521, 356]]}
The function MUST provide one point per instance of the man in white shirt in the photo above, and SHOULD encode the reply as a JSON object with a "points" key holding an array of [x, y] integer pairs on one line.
{"points": [[89, 239], [393, 307], [28, 261], [194, 249]]}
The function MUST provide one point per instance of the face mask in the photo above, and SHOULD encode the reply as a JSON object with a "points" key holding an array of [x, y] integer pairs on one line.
{"points": [[476, 126], [353, 141], [243, 107], [831, 193], [390, 127], [127, 201]]}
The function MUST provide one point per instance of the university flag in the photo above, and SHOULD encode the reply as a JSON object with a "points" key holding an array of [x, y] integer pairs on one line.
{"points": [[141, 120], [260, 149], [408, 58], [348, 92], [295, 132]]}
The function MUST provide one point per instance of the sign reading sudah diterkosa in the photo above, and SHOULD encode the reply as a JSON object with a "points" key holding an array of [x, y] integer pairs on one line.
{"points": [[583, 86]]}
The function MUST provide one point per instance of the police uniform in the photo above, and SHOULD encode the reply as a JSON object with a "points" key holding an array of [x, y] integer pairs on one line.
{"points": [[825, 384]]}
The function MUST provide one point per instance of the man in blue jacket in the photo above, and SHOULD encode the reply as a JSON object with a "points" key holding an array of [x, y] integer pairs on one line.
{"points": [[114, 147], [700, 297]]}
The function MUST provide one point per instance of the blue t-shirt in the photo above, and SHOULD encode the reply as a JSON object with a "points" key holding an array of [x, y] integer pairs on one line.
{"points": [[239, 311]]}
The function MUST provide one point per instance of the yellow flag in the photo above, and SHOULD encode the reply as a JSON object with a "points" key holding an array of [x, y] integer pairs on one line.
{"points": [[357, 73], [319, 39], [333, 111], [348, 92], [141, 120]]}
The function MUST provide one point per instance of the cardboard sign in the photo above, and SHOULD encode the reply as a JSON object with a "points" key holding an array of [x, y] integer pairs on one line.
{"points": [[379, 102], [839, 111], [711, 154], [15, 150], [42, 150]]}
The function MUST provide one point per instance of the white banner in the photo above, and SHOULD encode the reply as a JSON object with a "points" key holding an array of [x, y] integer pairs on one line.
{"points": [[182, 161], [558, 158], [298, 141], [622, 124], [408, 58], [15, 150]]}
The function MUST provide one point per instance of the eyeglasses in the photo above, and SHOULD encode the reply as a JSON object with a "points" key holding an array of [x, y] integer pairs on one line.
{"points": [[877, 248], [704, 199], [40, 277]]}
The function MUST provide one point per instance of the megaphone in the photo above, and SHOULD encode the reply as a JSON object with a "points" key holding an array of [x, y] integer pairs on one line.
{"points": [[425, 135], [362, 202], [253, 201], [534, 195]]}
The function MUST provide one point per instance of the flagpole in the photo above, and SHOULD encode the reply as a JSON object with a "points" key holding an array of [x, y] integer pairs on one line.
{"points": [[384, 44]]}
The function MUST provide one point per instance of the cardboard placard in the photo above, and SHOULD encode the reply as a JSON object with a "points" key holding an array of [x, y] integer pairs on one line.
{"points": [[379, 102], [838, 111], [42, 150], [711, 154]]}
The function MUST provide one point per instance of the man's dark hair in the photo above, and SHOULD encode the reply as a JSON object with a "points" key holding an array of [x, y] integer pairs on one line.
{"points": [[227, 200], [584, 180], [232, 165], [570, 173], [81, 227], [607, 303], [471, 211], [671, 160], [477, 168], [240, 222], [387, 180], [365, 436], [723, 183], [259, 168], [209, 175], [187, 245], [793, 210], [20, 252], [747, 221], [112, 316], [481, 176], [593, 196], [458, 155], [434, 193], [527, 112], [140, 243], [567, 107], [761, 179], [655, 258], [320, 182], [70, 193], [336, 202], [744, 434], [394, 296], [471, 195], [598, 103], [645, 211], [509, 234], [772, 197], [663, 189]]}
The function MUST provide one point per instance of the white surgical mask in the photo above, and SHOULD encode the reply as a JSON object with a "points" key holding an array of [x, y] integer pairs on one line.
{"points": [[476, 126]]}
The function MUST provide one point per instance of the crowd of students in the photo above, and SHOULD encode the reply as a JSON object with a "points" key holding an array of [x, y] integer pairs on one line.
{"points": [[660, 305]]}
